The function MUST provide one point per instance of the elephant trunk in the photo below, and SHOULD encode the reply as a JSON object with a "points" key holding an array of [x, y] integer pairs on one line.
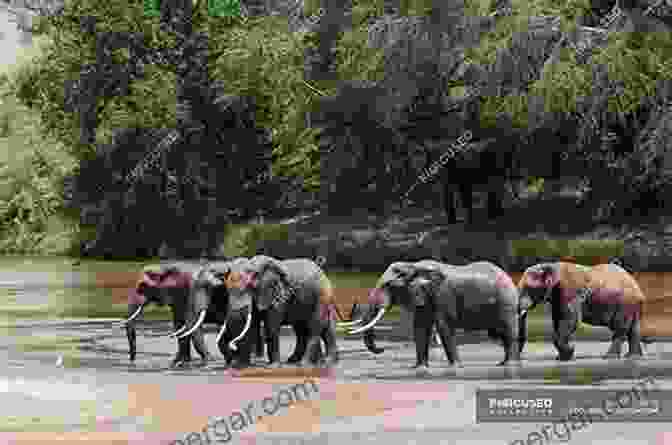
{"points": [[199, 322], [522, 330], [370, 342], [359, 313], [134, 310], [248, 323]]}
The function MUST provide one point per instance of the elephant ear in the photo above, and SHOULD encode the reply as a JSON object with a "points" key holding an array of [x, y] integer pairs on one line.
{"points": [[533, 277], [270, 278], [211, 276], [394, 272], [550, 275], [423, 285], [172, 276]]}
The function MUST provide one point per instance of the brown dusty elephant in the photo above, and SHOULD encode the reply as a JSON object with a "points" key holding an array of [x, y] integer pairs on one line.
{"points": [[602, 295]]}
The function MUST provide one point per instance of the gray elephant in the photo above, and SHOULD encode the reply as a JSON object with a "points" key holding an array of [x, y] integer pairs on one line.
{"points": [[166, 283], [602, 295], [210, 290], [473, 297], [295, 292]]}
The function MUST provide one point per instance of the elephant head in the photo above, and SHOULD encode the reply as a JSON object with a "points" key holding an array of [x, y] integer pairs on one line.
{"points": [[537, 284], [208, 285], [158, 284], [402, 283], [267, 282], [235, 278]]}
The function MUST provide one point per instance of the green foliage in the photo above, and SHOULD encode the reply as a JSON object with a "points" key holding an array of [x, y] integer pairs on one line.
{"points": [[31, 167], [584, 251], [263, 59], [502, 35], [242, 240], [639, 60]]}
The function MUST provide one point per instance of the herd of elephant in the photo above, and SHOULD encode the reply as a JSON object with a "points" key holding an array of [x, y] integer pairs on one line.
{"points": [[240, 295]]}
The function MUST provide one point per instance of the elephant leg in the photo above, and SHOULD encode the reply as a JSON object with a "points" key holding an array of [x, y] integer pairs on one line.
{"points": [[510, 336], [448, 338], [183, 352], [522, 333], [198, 340], [259, 349], [620, 334], [635, 340], [301, 342], [272, 323], [313, 345], [329, 337], [241, 356], [223, 347], [561, 338], [183, 344], [423, 321], [131, 336]]}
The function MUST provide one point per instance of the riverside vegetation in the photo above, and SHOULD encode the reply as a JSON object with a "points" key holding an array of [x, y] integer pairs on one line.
{"points": [[301, 92]]}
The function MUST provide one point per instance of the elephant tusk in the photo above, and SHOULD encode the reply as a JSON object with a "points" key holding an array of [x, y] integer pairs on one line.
{"points": [[437, 338], [220, 333], [347, 324], [246, 328], [132, 317], [196, 325], [522, 313], [369, 325], [179, 331]]}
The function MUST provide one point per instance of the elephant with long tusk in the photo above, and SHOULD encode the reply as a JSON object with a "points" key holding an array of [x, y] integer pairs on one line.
{"points": [[295, 292], [477, 296], [601, 295], [209, 300], [233, 341], [165, 283]]}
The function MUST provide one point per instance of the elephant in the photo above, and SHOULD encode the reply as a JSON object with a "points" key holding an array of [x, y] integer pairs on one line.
{"points": [[357, 311], [475, 296], [601, 295], [209, 291], [295, 292], [165, 283]]}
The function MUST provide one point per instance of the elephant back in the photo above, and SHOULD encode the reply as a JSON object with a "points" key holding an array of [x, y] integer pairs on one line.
{"points": [[501, 278], [613, 276], [303, 273], [499, 283]]}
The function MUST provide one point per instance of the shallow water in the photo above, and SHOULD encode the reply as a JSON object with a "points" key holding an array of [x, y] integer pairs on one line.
{"points": [[72, 374]]}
